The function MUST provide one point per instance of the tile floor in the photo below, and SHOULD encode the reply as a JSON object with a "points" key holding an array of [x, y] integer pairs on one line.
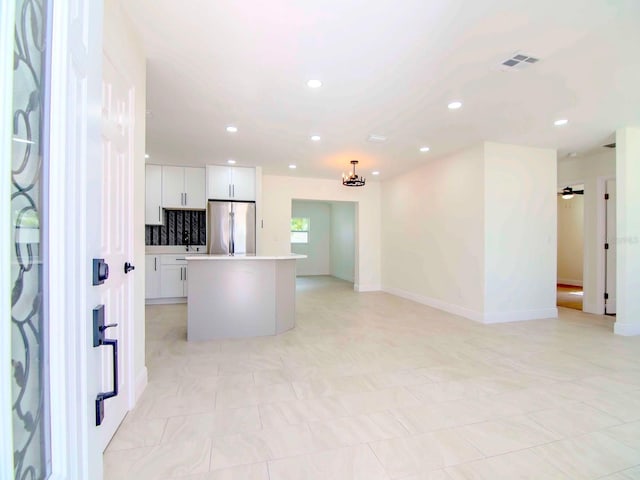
{"points": [[370, 386]]}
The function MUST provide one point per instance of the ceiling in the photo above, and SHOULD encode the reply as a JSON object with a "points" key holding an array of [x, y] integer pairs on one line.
{"points": [[388, 68]]}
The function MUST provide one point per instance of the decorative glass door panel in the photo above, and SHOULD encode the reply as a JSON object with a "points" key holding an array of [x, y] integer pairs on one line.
{"points": [[29, 324]]}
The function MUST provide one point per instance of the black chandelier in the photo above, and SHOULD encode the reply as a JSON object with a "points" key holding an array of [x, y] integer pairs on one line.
{"points": [[353, 180]]}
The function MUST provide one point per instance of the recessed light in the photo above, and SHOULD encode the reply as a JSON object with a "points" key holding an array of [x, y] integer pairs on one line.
{"points": [[375, 173], [146, 155], [232, 129], [315, 138], [314, 84], [424, 149], [560, 122], [375, 138], [454, 105], [292, 166], [231, 162]]}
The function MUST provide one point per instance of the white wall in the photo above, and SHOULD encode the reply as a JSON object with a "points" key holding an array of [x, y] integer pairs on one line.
{"points": [[628, 231], [343, 217], [474, 233], [591, 170], [432, 233], [520, 232], [570, 240], [279, 191], [122, 44], [318, 261]]}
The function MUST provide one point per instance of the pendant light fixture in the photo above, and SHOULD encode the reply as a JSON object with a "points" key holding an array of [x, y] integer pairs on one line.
{"points": [[353, 180]]}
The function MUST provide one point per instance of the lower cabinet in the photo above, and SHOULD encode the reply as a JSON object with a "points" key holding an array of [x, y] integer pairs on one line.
{"points": [[166, 276], [152, 276]]}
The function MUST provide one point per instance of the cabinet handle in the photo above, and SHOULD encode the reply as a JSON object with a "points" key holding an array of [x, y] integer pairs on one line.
{"points": [[233, 190], [180, 273], [185, 273], [155, 263], [186, 202], [229, 190], [159, 213]]}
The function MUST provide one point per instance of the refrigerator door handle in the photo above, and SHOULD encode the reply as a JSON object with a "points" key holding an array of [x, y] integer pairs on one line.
{"points": [[231, 248]]}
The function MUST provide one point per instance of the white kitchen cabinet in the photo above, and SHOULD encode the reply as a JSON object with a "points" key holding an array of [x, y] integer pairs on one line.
{"points": [[231, 183], [173, 273], [183, 188], [195, 188], [152, 276], [153, 195]]}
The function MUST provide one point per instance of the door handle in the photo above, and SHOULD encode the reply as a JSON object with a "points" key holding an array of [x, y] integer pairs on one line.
{"points": [[128, 267], [102, 396], [99, 339]]}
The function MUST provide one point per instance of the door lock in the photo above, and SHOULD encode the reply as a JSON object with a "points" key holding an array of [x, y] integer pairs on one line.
{"points": [[128, 267], [100, 271]]}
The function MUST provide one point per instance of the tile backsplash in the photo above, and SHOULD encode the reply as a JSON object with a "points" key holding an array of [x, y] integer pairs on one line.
{"points": [[176, 223]]}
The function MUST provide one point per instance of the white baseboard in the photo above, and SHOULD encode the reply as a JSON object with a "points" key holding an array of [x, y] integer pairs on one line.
{"points": [[520, 315], [140, 385], [434, 303], [568, 281], [164, 301], [366, 288], [481, 317], [626, 329]]}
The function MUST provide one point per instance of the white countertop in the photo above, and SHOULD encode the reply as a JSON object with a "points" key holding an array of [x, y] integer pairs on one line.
{"points": [[291, 256]]}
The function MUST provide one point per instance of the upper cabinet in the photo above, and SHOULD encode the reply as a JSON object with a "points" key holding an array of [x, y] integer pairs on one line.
{"points": [[153, 195], [231, 183], [183, 188]]}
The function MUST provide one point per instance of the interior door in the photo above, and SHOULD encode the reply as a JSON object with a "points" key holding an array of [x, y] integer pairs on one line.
{"points": [[610, 252], [116, 241]]}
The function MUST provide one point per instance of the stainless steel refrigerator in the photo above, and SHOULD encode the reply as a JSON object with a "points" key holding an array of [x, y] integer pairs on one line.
{"points": [[232, 228]]}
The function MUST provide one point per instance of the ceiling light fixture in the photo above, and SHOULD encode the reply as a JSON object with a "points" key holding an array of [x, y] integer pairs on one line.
{"points": [[568, 193], [232, 129], [314, 84], [315, 138], [231, 162], [560, 122], [454, 105], [375, 172], [292, 166], [353, 180], [424, 149]]}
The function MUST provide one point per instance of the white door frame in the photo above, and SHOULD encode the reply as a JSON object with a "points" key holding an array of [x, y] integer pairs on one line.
{"points": [[7, 22]]}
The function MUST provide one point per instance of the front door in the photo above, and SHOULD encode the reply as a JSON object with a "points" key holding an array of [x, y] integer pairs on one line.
{"points": [[116, 243]]}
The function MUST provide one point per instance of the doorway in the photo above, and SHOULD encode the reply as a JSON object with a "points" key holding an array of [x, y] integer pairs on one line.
{"points": [[569, 291], [324, 231]]}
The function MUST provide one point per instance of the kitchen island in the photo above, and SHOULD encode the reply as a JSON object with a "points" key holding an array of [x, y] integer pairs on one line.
{"points": [[240, 296]]}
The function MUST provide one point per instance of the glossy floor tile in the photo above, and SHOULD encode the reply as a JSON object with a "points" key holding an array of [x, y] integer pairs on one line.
{"points": [[372, 386]]}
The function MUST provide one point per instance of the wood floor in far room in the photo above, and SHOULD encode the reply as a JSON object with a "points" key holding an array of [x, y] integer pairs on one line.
{"points": [[569, 296], [374, 387]]}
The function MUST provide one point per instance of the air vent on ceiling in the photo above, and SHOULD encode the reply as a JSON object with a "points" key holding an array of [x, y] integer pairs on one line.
{"points": [[610, 145], [518, 61]]}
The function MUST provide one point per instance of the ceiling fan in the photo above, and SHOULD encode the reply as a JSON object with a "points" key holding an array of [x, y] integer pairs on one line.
{"points": [[568, 192]]}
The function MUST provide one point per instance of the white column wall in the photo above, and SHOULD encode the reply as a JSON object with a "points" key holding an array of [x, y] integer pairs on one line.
{"points": [[628, 231], [520, 233]]}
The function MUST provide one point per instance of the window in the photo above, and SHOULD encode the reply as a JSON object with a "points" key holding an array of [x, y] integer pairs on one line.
{"points": [[299, 230]]}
